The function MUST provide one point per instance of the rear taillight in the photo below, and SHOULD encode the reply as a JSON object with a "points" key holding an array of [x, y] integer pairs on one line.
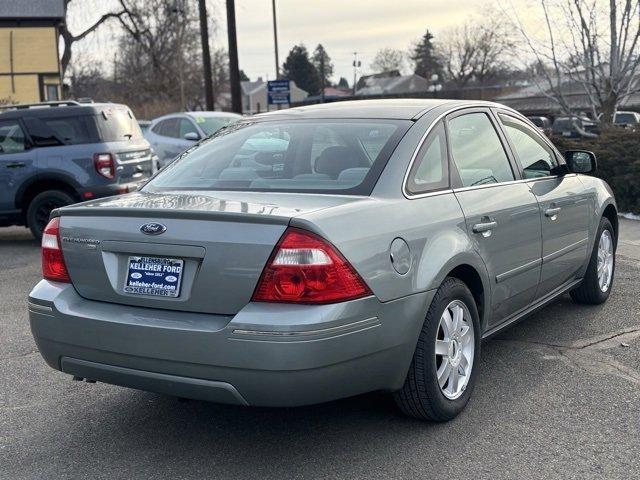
{"points": [[53, 266], [105, 164], [305, 268]]}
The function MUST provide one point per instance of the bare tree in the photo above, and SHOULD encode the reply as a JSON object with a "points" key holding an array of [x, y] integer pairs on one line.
{"points": [[475, 51], [69, 38], [589, 43], [388, 59]]}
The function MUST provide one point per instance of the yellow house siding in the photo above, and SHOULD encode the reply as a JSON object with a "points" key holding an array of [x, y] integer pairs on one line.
{"points": [[34, 49], [27, 89]]}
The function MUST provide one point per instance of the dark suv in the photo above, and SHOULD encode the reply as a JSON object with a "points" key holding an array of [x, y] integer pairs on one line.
{"points": [[59, 153]]}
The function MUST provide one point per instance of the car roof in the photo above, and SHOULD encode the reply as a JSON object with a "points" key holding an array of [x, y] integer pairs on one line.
{"points": [[59, 111], [212, 114], [395, 109]]}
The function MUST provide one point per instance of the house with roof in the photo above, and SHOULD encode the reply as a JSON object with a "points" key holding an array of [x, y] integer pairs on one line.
{"points": [[394, 84], [29, 62]]}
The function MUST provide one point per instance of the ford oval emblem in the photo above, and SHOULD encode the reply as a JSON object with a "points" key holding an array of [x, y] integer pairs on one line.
{"points": [[153, 228]]}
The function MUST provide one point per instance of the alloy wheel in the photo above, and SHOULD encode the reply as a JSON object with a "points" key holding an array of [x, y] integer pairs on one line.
{"points": [[455, 347], [605, 260]]}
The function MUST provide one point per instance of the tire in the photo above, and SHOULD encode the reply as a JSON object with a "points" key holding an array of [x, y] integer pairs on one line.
{"points": [[590, 291], [421, 396], [41, 206]]}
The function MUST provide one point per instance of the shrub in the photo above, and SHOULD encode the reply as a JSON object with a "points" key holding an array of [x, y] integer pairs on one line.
{"points": [[618, 154]]}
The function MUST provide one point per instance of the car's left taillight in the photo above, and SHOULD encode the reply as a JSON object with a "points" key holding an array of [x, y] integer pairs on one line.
{"points": [[53, 266], [105, 165]]}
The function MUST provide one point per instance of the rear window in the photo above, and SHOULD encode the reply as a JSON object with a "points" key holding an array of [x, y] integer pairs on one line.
{"points": [[341, 156], [211, 125], [625, 118], [117, 125]]}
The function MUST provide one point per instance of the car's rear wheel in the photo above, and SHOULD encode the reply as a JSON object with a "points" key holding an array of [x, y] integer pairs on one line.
{"points": [[598, 279], [41, 206], [444, 366]]}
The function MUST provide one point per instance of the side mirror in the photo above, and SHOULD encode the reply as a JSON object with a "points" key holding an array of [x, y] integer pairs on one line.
{"points": [[192, 136], [581, 161]]}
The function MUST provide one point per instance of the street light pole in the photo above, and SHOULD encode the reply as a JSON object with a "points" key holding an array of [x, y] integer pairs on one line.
{"points": [[275, 38], [206, 55], [234, 70]]}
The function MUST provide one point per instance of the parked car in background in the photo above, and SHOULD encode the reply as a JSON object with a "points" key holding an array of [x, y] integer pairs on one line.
{"points": [[144, 125], [318, 253], [58, 153], [173, 134], [543, 124], [626, 119], [570, 126]]}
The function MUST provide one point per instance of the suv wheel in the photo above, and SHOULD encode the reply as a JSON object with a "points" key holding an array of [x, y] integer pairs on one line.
{"points": [[444, 366], [41, 206], [598, 279]]}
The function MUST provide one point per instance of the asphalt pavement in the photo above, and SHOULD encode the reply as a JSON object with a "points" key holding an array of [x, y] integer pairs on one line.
{"points": [[557, 397]]}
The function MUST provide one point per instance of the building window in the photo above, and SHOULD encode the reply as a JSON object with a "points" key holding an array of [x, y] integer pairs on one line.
{"points": [[52, 92]]}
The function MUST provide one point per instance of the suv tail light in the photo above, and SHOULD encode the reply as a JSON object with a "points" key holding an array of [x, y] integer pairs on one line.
{"points": [[305, 268], [53, 266], [105, 164]]}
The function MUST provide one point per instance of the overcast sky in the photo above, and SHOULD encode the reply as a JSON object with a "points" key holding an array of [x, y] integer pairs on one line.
{"points": [[342, 26]]}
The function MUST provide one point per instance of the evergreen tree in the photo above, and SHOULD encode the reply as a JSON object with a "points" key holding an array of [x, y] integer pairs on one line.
{"points": [[425, 57], [318, 55], [298, 67], [343, 83]]}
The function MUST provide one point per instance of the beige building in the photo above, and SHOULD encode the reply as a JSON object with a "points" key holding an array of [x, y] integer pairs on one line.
{"points": [[29, 61]]}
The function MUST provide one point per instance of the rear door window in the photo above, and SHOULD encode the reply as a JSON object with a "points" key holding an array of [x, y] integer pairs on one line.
{"points": [[12, 137], [477, 150]]}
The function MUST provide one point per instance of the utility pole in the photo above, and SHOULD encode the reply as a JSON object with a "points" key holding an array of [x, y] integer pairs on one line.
{"points": [[322, 78], [180, 12], [206, 55], [234, 70], [356, 64], [275, 38]]}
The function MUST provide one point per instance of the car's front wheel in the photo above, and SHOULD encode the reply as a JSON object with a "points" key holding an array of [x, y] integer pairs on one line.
{"points": [[444, 366], [598, 279]]}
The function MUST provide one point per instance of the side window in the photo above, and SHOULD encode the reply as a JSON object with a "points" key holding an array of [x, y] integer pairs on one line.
{"points": [[71, 130], [430, 170], [11, 137], [186, 126], [167, 128], [477, 150], [536, 157]]}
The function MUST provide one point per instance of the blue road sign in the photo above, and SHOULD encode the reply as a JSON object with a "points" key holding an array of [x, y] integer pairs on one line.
{"points": [[278, 92]]}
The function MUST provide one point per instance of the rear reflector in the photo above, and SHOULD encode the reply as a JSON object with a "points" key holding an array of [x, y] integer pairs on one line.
{"points": [[305, 268], [53, 266], [105, 164]]}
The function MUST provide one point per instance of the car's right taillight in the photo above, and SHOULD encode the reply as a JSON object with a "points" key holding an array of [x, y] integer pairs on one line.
{"points": [[105, 165], [305, 268], [53, 266]]}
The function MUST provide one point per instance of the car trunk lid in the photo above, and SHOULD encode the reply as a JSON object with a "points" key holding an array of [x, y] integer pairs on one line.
{"points": [[221, 240]]}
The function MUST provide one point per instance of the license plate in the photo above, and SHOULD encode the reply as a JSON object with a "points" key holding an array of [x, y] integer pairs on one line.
{"points": [[566, 134], [154, 276]]}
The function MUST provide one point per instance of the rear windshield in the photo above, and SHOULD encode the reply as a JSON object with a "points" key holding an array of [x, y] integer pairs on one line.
{"points": [[211, 125], [625, 118], [117, 125], [341, 156]]}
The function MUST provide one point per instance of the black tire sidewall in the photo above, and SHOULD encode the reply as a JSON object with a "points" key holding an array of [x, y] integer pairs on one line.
{"points": [[57, 195], [444, 407]]}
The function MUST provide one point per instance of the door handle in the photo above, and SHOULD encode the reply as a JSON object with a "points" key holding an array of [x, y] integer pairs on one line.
{"points": [[484, 227], [16, 165], [552, 212]]}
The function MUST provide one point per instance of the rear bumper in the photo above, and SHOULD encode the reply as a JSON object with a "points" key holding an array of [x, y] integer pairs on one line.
{"points": [[267, 354]]}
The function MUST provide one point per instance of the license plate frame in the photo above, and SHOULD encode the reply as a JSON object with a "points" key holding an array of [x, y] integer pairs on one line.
{"points": [[154, 276]]}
